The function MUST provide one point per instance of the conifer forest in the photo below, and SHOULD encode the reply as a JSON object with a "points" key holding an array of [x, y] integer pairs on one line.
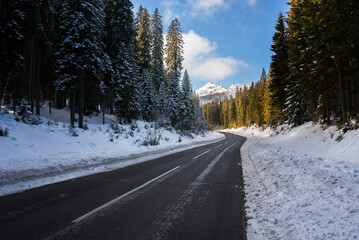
{"points": [[95, 56], [314, 71]]}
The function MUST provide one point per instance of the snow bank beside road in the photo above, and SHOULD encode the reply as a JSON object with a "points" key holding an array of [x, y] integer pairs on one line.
{"points": [[301, 183], [35, 155]]}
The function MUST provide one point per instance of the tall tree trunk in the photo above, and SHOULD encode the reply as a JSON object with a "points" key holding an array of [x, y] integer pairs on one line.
{"points": [[14, 97], [72, 107], [111, 101], [33, 85], [1, 82], [103, 112], [38, 79], [24, 71], [326, 101], [81, 103], [341, 90], [31, 76], [50, 106]]}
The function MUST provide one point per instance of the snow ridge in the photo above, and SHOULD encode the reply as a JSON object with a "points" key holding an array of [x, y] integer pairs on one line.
{"points": [[211, 91]]}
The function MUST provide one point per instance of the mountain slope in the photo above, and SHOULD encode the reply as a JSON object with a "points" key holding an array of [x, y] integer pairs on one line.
{"points": [[211, 92]]}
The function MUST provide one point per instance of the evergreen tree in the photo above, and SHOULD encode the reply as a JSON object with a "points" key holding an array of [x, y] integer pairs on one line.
{"points": [[173, 96], [143, 51], [81, 57], [186, 105], [174, 49], [161, 109], [279, 66], [173, 60], [11, 37], [127, 104], [157, 68]]}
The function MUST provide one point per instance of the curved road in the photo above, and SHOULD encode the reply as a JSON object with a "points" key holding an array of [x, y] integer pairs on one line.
{"points": [[194, 194]]}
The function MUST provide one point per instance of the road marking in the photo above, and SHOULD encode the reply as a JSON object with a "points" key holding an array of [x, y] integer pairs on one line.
{"points": [[201, 154], [174, 212], [122, 196], [219, 146]]}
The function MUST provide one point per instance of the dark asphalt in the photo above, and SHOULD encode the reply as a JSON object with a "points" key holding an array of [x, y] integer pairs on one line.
{"points": [[202, 199]]}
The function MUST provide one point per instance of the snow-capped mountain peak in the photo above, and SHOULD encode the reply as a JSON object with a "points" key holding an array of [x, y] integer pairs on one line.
{"points": [[212, 91]]}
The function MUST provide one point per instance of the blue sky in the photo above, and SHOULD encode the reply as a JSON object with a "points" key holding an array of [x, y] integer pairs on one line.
{"points": [[226, 41]]}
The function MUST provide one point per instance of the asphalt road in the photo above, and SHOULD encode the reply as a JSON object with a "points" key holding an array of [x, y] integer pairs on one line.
{"points": [[194, 194]]}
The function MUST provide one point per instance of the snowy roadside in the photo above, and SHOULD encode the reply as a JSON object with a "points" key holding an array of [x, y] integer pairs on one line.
{"points": [[301, 183], [37, 155]]}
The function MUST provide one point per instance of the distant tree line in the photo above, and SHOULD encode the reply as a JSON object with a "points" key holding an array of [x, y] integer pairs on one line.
{"points": [[95, 55], [249, 106], [314, 71]]}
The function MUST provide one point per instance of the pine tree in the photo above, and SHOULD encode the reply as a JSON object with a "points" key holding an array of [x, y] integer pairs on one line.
{"points": [[11, 37], [127, 101], [186, 104], [174, 49], [157, 68], [143, 51], [161, 109], [173, 95], [279, 66], [173, 60], [81, 57]]}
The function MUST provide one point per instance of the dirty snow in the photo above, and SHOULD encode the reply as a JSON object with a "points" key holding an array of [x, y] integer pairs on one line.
{"points": [[301, 183], [36, 155]]}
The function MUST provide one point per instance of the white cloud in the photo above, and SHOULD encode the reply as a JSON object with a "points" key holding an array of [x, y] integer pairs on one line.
{"points": [[206, 7], [169, 16], [251, 2], [170, 10], [201, 62]]}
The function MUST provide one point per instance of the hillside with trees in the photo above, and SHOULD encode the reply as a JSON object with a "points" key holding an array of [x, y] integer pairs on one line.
{"points": [[313, 76], [95, 56]]}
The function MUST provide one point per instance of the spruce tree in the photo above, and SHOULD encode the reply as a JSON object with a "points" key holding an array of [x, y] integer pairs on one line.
{"points": [[127, 101], [279, 66], [143, 54], [173, 60], [157, 68], [174, 49], [81, 59]]}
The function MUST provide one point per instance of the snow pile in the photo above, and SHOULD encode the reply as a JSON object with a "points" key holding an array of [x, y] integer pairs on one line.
{"points": [[35, 155], [301, 183]]}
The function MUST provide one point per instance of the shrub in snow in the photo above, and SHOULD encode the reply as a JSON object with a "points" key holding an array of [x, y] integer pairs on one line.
{"points": [[134, 126], [179, 139], [86, 127], [73, 132], [26, 115], [186, 133], [130, 133], [4, 132], [153, 137], [115, 127]]}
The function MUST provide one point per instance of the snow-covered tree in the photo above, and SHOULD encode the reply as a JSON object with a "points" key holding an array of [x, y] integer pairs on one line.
{"points": [[143, 57], [81, 59], [279, 66], [173, 60], [127, 101], [174, 49], [157, 67]]}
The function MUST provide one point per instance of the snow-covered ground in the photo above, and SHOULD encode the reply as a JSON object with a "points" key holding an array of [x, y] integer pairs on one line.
{"points": [[301, 183], [35, 155]]}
